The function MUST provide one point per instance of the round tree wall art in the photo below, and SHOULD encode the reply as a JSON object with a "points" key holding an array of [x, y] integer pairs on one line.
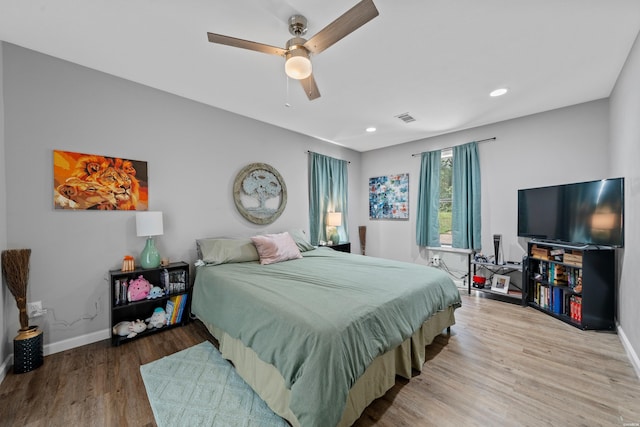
{"points": [[259, 193]]}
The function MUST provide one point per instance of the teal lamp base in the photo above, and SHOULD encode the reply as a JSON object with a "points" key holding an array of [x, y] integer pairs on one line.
{"points": [[150, 257], [334, 237]]}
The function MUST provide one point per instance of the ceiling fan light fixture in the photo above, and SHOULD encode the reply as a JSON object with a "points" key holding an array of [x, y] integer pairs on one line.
{"points": [[297, 51], [297, 64]]}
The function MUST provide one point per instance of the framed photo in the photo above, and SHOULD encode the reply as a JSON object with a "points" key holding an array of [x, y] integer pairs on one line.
{"points": [[500, 283]]}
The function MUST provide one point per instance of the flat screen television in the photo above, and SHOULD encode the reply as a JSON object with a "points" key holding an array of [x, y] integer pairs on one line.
{"points": [[585, 213]]}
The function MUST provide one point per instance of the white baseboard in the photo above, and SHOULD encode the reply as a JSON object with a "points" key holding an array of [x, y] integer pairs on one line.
{"points": [[59, 346], [4, 368], [633, 356], [70, 343]]}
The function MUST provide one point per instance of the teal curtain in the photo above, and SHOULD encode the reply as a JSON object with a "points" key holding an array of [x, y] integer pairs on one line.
{"points": [[465, 221], [427, 223], [327, 193]]}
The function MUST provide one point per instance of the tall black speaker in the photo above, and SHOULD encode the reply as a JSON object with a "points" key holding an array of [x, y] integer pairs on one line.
{"points": [[497, 247]]}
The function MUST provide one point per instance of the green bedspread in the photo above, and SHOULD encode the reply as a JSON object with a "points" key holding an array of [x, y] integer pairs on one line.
{"points": [[322, 319]]}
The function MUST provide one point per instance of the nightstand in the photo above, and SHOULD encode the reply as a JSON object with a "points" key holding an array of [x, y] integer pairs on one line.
{"points": [[342, 247]]}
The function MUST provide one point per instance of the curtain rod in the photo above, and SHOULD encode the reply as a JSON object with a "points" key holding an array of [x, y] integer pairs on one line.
{"points": [[448, 148], [309, 152]]}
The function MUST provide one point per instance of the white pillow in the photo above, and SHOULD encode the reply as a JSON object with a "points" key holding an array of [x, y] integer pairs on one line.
{"points": [[274, 248]]}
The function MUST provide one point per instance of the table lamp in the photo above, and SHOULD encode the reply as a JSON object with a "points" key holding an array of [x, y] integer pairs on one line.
{"points": [[334, 220], [149, 224]]}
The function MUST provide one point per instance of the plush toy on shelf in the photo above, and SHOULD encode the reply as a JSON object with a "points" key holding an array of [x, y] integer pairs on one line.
{"points": [[158, 319], [155, 292], [129, 328], [139, 289]]}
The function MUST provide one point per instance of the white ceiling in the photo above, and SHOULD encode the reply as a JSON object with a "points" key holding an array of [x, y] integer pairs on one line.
{"points": [[434, 59]]}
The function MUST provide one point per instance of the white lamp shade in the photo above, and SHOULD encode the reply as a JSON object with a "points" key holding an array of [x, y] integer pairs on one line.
{"points": [[297, 66], [149, 224], [334, 219]]}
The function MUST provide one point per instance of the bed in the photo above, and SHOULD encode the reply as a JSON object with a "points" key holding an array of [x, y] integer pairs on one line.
{"points": [[319, 334]]}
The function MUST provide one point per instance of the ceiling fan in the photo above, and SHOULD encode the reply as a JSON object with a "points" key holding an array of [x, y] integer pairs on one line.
{"points": [[297, 50]]}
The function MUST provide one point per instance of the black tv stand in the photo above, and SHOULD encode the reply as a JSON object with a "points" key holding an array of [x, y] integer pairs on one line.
{"points": [[571, 282]]}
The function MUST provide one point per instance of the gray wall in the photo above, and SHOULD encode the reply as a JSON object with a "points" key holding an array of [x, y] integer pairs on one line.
{"points": [[193, 151], [625, 153], [555, 147], [4, 350]]}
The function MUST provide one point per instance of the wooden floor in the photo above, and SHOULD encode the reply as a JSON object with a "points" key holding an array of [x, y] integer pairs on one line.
{"points": [[502, 365]]}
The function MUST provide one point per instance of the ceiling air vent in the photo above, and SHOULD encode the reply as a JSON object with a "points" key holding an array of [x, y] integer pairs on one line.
{"points": [[406, 117]]}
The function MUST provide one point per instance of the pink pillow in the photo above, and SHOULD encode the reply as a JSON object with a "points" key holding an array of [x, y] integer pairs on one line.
{"points": [[274, 248]]}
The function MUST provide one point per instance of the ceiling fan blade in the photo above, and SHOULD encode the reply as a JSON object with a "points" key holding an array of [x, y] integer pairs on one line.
{"points": [[245, 44], [350, 21], [310, 88]]}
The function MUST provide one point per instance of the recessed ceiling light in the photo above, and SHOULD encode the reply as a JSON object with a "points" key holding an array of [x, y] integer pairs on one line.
{"points": [[499, 92], [370, 129]]}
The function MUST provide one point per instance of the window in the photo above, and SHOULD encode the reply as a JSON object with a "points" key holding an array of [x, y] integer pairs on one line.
{"points": [[446, 197], [327, 194], [449, 198]]}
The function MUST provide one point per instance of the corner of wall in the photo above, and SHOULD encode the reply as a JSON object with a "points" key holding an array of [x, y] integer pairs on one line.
{"points": [[624, 108], [633, 356], [4, 348]]}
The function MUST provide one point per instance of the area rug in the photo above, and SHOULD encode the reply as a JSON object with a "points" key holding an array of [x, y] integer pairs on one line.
{"points": [[197, 387]]}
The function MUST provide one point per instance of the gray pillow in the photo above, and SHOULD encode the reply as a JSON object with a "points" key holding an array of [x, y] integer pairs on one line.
{"points": [[300, 237], [221, 251]]}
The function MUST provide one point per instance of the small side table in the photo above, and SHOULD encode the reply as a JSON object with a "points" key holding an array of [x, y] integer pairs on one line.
{"points": [[342, 247]]}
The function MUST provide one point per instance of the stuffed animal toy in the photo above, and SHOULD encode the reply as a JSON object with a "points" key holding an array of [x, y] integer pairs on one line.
{"points": [[155, 292], [138, 289], [129, 328], [158, 319]]}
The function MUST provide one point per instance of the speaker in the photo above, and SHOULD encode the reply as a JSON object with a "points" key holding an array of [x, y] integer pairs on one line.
{"points": [[497, 247]]}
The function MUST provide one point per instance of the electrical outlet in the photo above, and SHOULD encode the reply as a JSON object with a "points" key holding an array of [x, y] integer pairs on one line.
{"points": [[436, 260], [34, 309]]}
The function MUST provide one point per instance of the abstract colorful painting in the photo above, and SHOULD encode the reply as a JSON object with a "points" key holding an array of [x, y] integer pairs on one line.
{"points": [[389, 197], [94, 182]]}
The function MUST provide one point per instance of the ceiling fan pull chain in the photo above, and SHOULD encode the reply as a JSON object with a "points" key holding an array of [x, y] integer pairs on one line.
{"points": [[286, 101]]}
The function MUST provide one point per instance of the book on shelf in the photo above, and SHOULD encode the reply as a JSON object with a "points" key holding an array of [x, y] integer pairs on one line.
{"points": [[164, 281], [575, 308], [542, 296], [183, 303], [173, 282], [178, 281], [116, 292], [170, 306], [124, 291], [557, 300], [175, 308]]}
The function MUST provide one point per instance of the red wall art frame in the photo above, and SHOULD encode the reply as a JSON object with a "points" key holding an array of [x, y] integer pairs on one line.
{"points": [[95, 182]]}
